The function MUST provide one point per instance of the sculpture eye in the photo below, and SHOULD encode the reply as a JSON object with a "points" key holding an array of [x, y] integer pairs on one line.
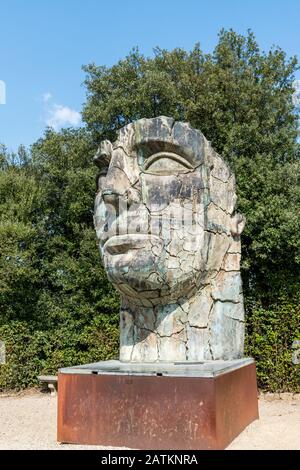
{"points": [[166, 163]]}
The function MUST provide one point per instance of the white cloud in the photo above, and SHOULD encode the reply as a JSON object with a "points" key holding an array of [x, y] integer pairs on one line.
{"points": [[46, 97], [58, 115], [296, 97], [62, 116]]}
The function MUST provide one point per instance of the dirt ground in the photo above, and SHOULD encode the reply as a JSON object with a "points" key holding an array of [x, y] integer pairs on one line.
{"points": [[28, 421]]}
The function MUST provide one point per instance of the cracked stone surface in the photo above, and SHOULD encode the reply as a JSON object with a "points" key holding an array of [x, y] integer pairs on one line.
{"points": [[169, 239]]}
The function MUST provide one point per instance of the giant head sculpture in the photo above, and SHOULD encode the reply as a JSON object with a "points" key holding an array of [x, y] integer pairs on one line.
{"points": [[169, 239]]}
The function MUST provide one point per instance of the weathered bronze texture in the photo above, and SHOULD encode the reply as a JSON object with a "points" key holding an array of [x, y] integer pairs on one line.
{"points": [[169, 240]]}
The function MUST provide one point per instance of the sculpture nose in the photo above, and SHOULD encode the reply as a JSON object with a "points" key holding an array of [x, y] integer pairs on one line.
{"points": [[111, 197], [114, 198]]}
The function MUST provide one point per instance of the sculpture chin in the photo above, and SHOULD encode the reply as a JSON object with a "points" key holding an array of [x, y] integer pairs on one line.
{"points": [[137, 265]]}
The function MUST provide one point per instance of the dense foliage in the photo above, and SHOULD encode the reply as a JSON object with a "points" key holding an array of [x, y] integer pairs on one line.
{"points": [[57, 308]]}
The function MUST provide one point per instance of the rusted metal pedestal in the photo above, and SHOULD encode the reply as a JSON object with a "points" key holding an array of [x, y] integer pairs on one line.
{"points": [[157, 406]]}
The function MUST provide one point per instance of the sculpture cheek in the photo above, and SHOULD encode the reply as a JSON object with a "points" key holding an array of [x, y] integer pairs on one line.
{"points": [[160, 191]]}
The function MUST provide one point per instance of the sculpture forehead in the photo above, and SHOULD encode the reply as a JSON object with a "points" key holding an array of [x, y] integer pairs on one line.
{"points": [[148, 136], [145, 137]]}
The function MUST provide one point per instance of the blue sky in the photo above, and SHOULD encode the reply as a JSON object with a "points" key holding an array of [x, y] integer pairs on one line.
{"points": [[44, 43]]}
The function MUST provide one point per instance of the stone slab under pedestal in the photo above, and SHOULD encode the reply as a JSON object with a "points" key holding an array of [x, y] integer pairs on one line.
{"points": [[157, 405]]}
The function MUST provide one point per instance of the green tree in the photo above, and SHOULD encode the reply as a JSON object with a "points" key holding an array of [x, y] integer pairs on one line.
{"points": [[57, 307]]}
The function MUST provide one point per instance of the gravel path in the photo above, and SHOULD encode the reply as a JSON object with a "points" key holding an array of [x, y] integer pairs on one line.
{"points": [[29, 422]]}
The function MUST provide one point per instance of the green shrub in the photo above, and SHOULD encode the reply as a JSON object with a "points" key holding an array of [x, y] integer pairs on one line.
{"points": [[270, 335]]}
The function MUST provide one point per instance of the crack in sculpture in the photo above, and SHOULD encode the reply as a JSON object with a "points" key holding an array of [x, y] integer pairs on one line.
{"points": [[170, 242]]}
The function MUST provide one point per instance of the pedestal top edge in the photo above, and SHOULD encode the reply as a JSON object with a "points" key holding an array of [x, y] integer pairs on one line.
{"points": [[182, 369]]}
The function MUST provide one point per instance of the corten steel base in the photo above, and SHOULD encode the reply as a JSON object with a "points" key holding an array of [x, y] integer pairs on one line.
{"points": [[157, 406]]}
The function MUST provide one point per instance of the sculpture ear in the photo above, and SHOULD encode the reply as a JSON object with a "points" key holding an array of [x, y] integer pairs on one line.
{"points": [[237, 225]]}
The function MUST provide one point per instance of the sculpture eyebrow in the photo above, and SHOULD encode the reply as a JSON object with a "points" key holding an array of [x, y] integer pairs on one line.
{"points": [[146, 148], [171, 156]]}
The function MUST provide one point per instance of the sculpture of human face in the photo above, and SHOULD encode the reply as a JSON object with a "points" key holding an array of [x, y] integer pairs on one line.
{"points": [[156, 208]]}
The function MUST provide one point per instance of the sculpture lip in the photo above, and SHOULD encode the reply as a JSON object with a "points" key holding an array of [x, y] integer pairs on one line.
{"points": [[121, 244]]}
